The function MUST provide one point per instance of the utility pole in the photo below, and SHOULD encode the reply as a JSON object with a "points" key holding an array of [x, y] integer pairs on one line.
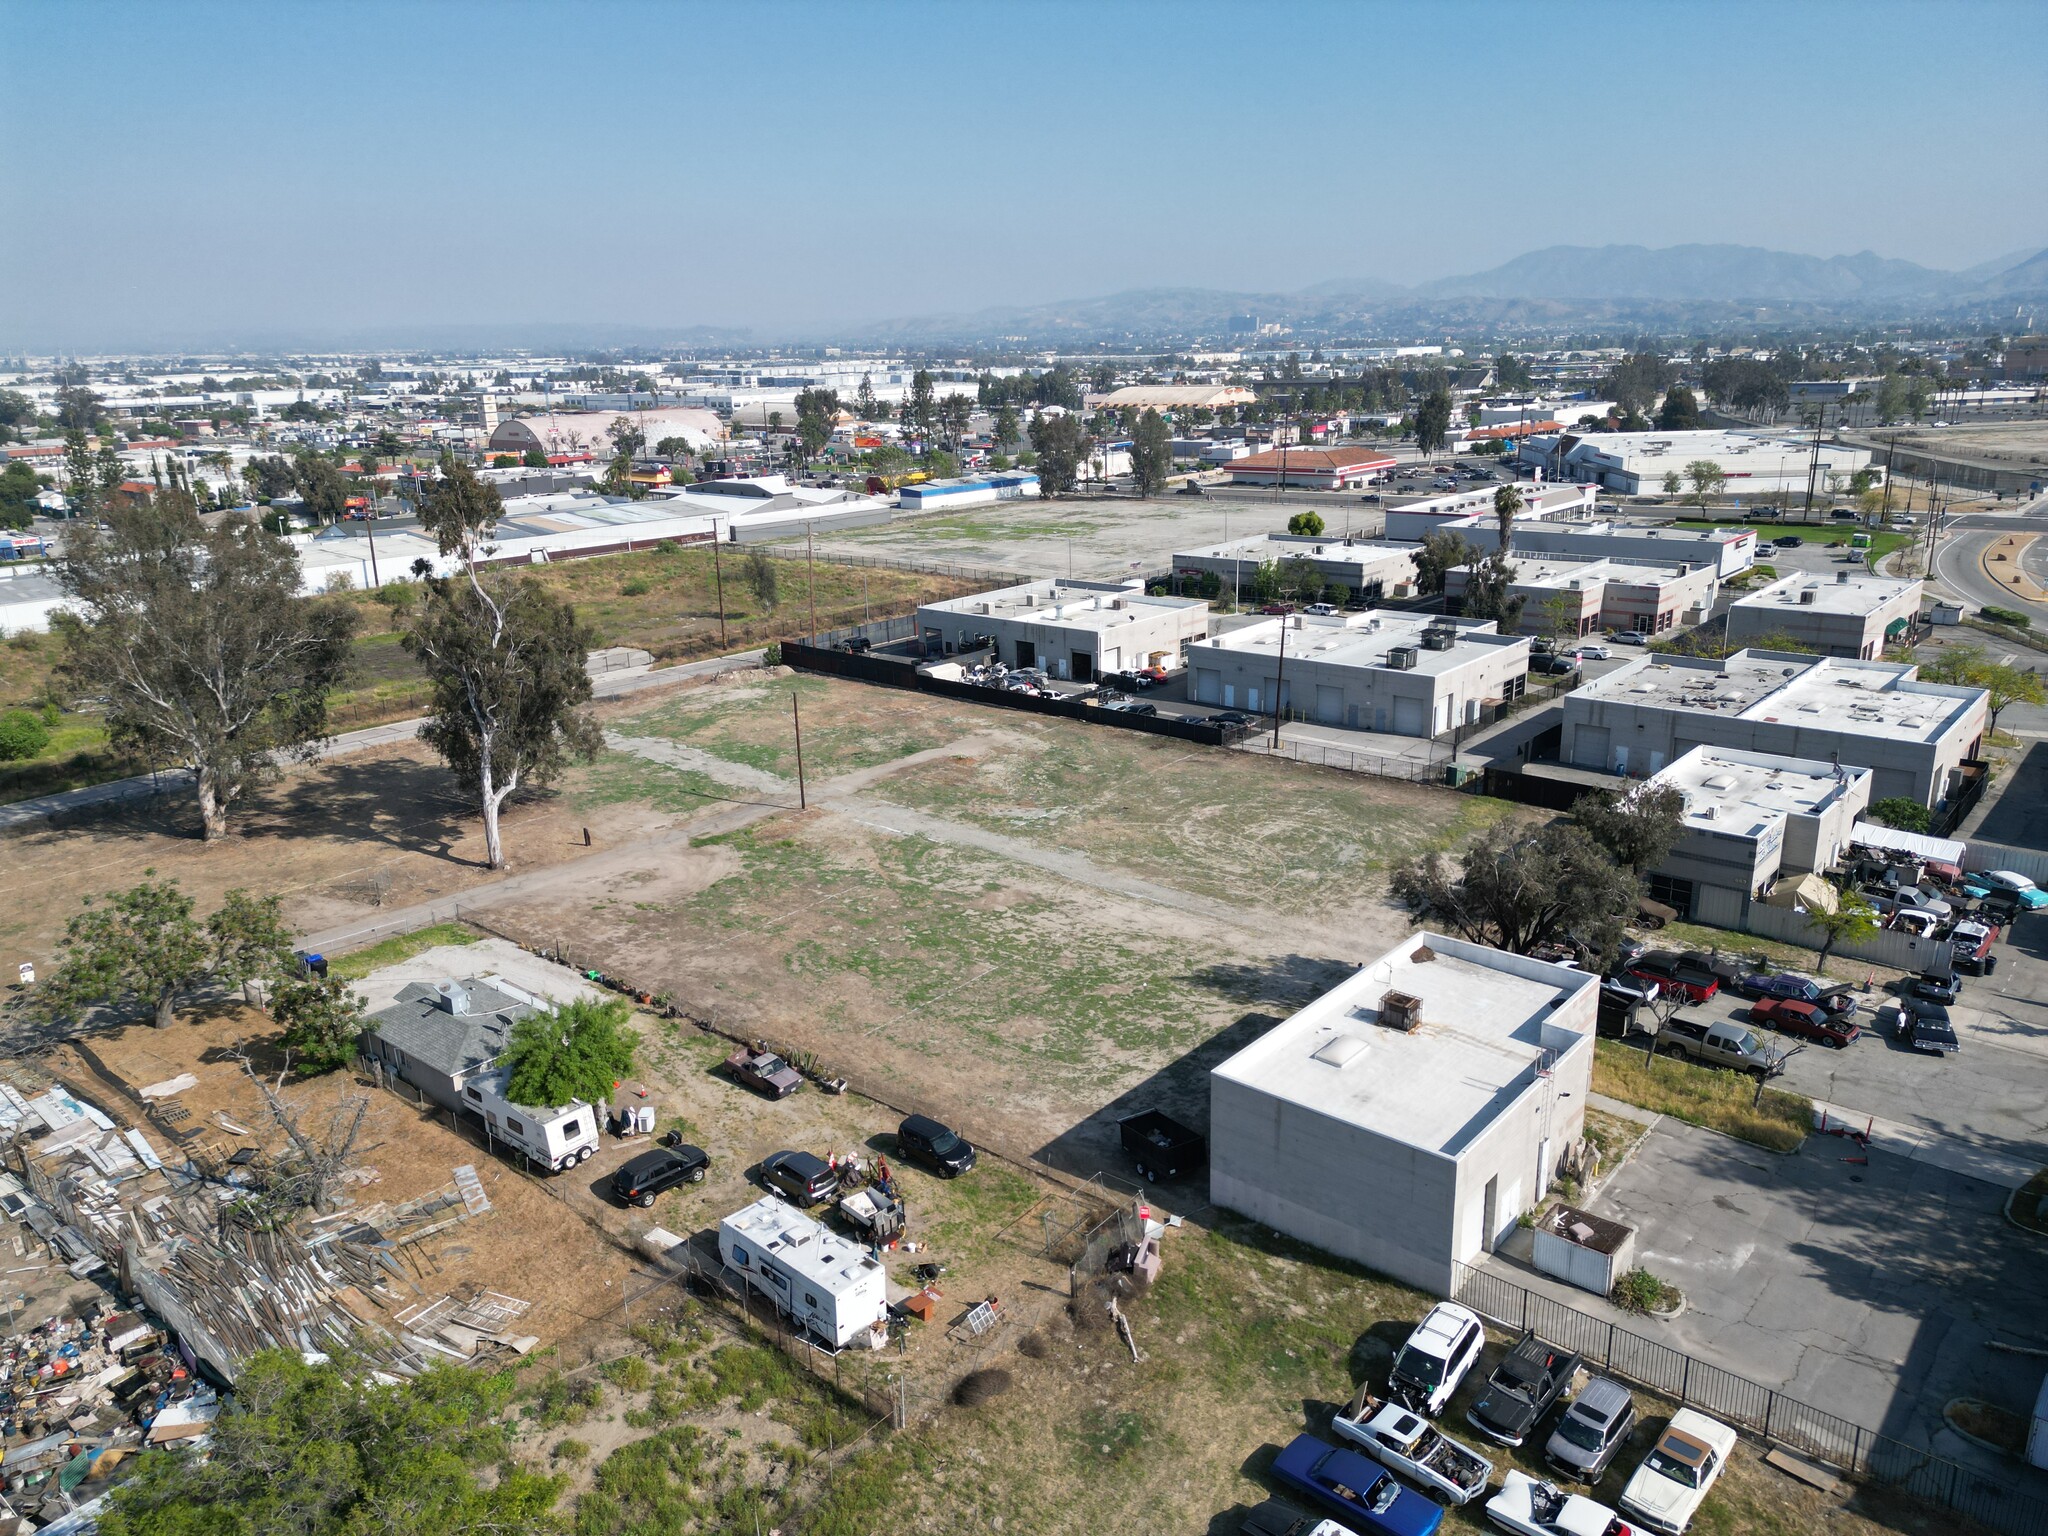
{"points": [[1820, 415], [718, 576], [1279, 681], [1890, 449], [811, 579], [796, 720]]}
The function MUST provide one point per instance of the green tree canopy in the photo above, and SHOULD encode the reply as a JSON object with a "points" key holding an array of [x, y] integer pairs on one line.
{"points": [[1433, 420], [577, 1051], [326, 1450], [1151, 453], [1638, 827], [1900, 811], [1306, 524], [1854, 920], [1062, 446], [141, 944], [323, 1021], [1706, 478], [1680, 412], [1515, 891], [1440, 552], [198, 639]]}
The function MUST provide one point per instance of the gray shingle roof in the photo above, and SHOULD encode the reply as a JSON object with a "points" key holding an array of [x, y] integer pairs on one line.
{"points": [[420, 1025]]}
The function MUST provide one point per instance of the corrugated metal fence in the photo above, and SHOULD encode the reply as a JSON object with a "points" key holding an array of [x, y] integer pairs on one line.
{"points": [[1749, 1405]]}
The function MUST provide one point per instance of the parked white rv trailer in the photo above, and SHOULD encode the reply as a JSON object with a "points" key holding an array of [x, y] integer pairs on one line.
{"points": [[557, 1137], [816, 1278]]}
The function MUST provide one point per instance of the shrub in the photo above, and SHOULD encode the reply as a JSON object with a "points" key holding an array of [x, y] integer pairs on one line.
{"points": [[50, 712], [1906, 814], [22, 735], [668, 547], [636, 587], [398, 594], [772, 655], [571, 1450], [2010, 616], [1640, 1291]]}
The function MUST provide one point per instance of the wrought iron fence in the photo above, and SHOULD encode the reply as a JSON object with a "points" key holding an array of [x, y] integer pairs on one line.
{"points": [[1746, 1404]]}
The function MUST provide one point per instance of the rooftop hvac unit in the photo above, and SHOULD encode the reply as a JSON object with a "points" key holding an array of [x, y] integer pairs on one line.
{"points": [[1808, 596], [1439, 639], [1841, 578], [1402, 1011], [1402, 658]]}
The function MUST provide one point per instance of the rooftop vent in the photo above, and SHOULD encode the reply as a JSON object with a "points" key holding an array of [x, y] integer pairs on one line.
{"points": [[1339, 1050], [1402, 658], [1808, 595], [1402, 1011], [1841, 578]]}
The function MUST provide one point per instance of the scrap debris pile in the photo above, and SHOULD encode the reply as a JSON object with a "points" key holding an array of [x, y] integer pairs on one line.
{"points": [[168, 1232]]}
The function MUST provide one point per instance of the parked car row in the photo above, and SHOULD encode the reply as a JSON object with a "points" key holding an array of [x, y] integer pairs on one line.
{"points": [[1358, 1486]]}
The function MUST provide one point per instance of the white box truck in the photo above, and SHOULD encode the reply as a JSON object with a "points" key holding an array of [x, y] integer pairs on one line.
{"points": [[817, 1279], [559, 1137]]}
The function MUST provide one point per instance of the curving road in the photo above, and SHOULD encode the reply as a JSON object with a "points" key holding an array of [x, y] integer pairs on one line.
{"points": [[1958, 558]]}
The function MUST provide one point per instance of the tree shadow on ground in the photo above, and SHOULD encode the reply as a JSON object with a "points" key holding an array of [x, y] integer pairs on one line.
{"points": [[397, 801]]}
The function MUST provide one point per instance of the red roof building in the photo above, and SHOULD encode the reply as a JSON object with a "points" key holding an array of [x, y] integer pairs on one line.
{"points": [[1508, 431], [1320, 469]]}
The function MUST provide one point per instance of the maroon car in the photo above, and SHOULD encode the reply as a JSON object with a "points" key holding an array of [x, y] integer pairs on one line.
{"points": [[764, 1072], [1791, 1017]]}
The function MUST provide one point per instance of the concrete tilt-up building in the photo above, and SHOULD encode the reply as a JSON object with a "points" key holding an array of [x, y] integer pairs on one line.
{"points": [[1855, 614], [1407, 1117], [1078, 630]]}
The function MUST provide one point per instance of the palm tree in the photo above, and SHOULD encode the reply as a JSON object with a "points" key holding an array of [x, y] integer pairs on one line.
{"points": [[1507, 501]]}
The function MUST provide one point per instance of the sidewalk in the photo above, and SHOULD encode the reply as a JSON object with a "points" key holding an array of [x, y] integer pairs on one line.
{"points": [[177, 781], [1922, 1146]]}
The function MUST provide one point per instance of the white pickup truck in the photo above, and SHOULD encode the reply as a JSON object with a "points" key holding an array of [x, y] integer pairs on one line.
{"points": [[1405, 1442]]}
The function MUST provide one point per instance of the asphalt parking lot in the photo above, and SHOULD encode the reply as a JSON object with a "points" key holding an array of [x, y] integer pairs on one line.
{"points": [[1868, 1290], [1992, 1094]]}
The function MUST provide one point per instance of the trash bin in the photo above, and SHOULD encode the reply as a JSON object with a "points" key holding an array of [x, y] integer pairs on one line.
{"points": [[313, 965]]}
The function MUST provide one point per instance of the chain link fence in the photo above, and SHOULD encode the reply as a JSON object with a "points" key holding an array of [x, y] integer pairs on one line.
{"points": [[1745, 1404]]}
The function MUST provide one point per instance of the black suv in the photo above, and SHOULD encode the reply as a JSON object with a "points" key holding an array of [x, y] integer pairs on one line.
{"points": [[799, 1175], [922, 1139], [639, 1181]]}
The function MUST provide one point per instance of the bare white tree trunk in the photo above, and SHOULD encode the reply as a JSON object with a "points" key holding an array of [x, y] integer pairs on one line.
{"points": [[212, 812], [492, 797]]}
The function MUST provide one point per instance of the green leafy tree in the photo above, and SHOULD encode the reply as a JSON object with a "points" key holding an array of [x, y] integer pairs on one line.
{"points": [[504, 461], [534, 458], [1062, 446], [864, 398], [198, 639], [1680, 412], [79, 409], [1906, 814], [23, 735], [1300, 580], [1638, 827], [329, 1450], [1969, 666], [138, 945], [1511, 373], [1706, 478], [627, 439], [1636, 381], [1489, 592], [577, 1051], [917, 410], [673, 448], [762, 579], [1151, 453], [1433, 420], [250, 941], [82, 477], [506, 657], [18, 491], [323, 1021], [1854, 920], [1440, 552], [1007, 432], [1557, 617], [1306, 524], [1674, 483], [1515, 891]]}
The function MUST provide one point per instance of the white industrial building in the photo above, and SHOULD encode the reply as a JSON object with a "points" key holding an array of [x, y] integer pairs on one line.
{"points": [[1412, 518], [1076, 630], [1729, 551], [1854, 614], [574, 434], [1407, 1117], [1369, 570], [1406, 673], [1913, 736], [825, 1284], [1750, 820], [1636, 463], [1571, 595]]}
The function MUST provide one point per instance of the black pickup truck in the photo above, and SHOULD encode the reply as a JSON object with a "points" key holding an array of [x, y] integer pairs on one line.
{"points": [[1530, 1379]]}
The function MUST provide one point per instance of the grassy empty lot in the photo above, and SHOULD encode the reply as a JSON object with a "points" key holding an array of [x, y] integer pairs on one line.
{"points": [[1706, 1096]]}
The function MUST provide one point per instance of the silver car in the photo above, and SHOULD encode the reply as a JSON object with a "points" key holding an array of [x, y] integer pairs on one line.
{"points": [[1592, 1431]]}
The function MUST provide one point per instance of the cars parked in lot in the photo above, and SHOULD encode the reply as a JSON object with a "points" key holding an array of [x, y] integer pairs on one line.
{"points": [[1671, 1484], [1530, 1507], [1787, 541], [1807, 1021], [1687, 975], [1593, 1430], [1590, 652], [2006, 882], [1137, 680], [1232, 717], [1127, 706], [764, 1072], [1718, 1043], [1402, 1439], [1921, 1025], [1429, 1365], [1790, 986], [1321, 610], [802, 1176], [1631, 637], [1936, 989], [1969, 946], [1361, 1493], [1528, 1382], [943, 1150], [638, 1181], [1552, 666]]}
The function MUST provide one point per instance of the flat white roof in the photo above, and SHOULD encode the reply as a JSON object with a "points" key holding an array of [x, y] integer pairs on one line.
{"points": [[1485, 1030], [1720, 786], [1362, 640], [1738, 453], [1570, 571], [1284, 546], [1863, 698], [1859, 596], [809, 1248], [1074, 604]]}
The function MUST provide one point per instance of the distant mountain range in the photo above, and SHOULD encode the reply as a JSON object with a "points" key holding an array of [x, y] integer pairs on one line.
{"points": [[1563, 285]]}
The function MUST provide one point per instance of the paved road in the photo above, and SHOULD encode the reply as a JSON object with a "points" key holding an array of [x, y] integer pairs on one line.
{"points": [[607, 685], [1958, 558]]}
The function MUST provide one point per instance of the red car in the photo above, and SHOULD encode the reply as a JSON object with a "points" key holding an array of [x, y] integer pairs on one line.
{"points": [[1805, 1020], [1279, 610]]}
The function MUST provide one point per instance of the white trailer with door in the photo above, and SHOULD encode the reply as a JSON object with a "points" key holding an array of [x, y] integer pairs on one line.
{"points": [[822, 1282], [559, 1137]]}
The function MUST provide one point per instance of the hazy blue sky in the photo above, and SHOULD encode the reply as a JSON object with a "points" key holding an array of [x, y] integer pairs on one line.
{"points": [[248, 171]]}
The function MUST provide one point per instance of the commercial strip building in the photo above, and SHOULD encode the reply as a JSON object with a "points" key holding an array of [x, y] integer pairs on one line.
{"points": [[1369, 570], [1751, 820], [1856, 614], [1726, 551], [1414, 517], [1174, 397], [1405, 673], [1407, 1117], [1572, 595], [1077, 630], [1915, 737], [1636, 463], [1314, 469], [968, 491]]}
